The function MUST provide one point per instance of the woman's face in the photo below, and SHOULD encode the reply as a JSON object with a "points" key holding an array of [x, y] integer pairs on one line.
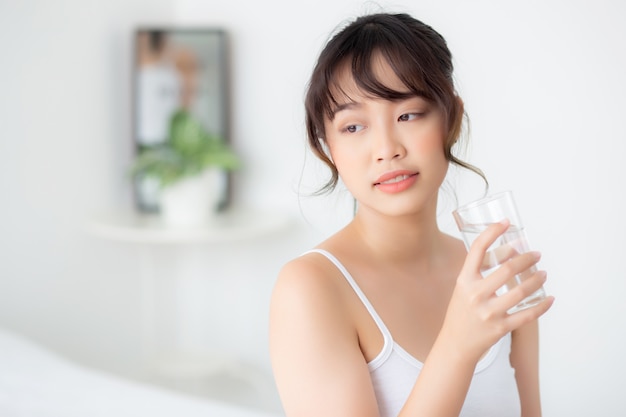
{"points": [[389, 154]]}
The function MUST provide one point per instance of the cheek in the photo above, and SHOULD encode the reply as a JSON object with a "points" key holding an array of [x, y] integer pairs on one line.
{"points": [[341, 151], [349, 163], [430, 136], [433, 150], [341, 159], [431, 144]]}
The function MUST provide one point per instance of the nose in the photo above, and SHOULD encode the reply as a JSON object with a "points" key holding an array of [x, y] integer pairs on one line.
{"points": [[387, 144]]}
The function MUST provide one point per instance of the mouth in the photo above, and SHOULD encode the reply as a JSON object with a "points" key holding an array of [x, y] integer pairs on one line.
{"points": [[396, 181], [394, 177]]}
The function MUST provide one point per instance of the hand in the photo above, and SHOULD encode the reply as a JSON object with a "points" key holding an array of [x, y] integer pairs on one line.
{"points": [[476, 317]]}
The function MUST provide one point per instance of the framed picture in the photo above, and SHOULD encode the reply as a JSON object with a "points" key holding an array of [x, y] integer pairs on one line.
{"points": [[178, 69]]}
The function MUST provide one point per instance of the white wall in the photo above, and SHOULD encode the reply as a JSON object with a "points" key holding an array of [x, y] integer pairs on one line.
{"points": [[543, 83], [64, 118]]}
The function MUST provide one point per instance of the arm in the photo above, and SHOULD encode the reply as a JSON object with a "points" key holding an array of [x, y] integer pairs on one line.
{"points": [[525, 360], [318, 365], [475, 320]]}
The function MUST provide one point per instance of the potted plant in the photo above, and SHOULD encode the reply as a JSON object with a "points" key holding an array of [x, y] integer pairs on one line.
{"points": [[189, 168]]}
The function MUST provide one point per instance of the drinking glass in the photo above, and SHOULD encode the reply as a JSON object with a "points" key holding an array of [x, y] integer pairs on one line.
{"points": [[475, 217]]}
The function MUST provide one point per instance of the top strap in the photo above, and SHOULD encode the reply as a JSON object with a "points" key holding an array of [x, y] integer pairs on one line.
{"points": [[381, 326]]}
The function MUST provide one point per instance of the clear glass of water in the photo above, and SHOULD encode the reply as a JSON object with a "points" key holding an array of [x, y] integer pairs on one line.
{"points": [[475, 217]]}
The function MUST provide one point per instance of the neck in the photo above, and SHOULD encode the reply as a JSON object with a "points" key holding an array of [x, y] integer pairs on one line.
{"points": [[409, 238]]}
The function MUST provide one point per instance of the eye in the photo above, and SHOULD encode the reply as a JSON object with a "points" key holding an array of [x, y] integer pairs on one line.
{"points": [[409, 116], [353, 128]]}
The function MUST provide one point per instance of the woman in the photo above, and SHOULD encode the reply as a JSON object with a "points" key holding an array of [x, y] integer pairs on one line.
{"points": [[390, 316]]}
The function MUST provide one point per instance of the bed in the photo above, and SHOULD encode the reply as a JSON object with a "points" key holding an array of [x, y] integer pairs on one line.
{"points": [[35, 382]]}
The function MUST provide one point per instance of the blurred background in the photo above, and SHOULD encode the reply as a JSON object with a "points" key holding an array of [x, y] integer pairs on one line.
{"points": [[544, 87]]}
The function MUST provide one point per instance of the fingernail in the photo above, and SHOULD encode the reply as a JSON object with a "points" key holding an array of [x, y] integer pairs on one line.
{"points": [[536, 255]]}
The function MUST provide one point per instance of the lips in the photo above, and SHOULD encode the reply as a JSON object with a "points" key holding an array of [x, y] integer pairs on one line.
{"points": [[394, 177], [396, 181]]}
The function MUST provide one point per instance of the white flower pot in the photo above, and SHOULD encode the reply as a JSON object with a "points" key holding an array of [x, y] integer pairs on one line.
{"points": [[192, 201]]}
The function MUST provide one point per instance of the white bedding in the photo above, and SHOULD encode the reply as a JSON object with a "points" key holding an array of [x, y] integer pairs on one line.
{"points": [[35, 382]]}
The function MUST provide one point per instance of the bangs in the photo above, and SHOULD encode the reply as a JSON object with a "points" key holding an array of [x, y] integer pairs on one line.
{"points": [[410, 61]]}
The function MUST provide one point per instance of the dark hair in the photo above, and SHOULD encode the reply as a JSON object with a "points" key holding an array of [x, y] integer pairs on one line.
{"points": [[417, 53], [157, 40]]}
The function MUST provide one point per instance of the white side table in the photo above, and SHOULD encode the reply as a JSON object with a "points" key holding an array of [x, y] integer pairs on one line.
{"points": [[145, 231], [232, 225]]}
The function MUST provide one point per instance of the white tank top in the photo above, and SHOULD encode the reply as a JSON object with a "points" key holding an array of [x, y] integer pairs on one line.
{"points": [[492, 392]]}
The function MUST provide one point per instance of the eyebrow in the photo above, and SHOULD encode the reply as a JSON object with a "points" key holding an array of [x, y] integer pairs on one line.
{"points": [[353, 104], [345, 106]]}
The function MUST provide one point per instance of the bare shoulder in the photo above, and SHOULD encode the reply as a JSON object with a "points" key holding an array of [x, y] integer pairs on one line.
{"points": [[306, 282], [313, 340]]}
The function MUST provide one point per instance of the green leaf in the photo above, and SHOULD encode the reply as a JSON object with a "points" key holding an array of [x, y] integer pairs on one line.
{"points": [[187, 152]]}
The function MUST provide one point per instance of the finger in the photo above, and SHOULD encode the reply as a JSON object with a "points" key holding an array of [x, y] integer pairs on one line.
{"points": [[509, 270], [522, 317], [476, 254], [519, 292], [498, 256]]}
